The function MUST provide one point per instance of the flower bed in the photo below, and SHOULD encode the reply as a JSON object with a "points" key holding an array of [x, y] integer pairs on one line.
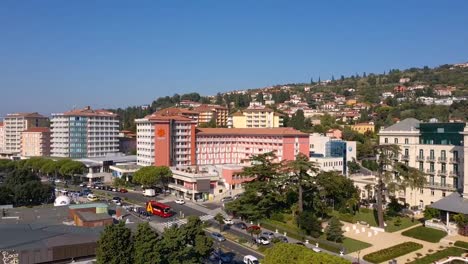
{"points": [[442, 254], [392, 252]]}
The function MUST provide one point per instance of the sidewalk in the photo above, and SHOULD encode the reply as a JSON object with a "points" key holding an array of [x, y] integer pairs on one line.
{"points": [[381, 240]]}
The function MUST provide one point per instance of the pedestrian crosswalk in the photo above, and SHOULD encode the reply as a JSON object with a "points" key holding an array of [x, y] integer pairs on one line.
{"points": [[179, 222], [206, 217]]}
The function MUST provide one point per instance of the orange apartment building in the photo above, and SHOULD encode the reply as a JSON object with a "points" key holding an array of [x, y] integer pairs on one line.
{"points": [[35, 142], [209, 112]]}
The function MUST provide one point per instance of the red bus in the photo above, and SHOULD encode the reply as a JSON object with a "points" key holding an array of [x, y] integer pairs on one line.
{"points": [[159, 209]]}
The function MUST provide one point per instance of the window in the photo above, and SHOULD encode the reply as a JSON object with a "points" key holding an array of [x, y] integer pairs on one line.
{"points": [[406, 141], [431, 166], [431, 154], [395, 140], [386, 140], [421, 153], [421, 166], [442, 154], [406, 152], [444, 167]]}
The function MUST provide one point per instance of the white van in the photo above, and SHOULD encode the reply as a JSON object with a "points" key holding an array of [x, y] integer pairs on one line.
{"points": [[149, 192], [249, 259]]}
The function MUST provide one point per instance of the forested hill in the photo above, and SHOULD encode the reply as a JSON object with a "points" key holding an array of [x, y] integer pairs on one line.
{"points": [[367, 88]]}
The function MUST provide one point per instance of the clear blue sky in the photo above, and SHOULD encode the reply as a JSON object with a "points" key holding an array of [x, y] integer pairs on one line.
{"points": [[58, 54]]}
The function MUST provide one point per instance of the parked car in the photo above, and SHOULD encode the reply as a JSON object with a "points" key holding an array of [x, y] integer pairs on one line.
{"points": [[217, 236], [228, 221], [262, 240], [268, 234], [114, 189], [57, 181], [240, 225], [123, 190], [237, 196], [83, 184], [91, 197], [254, 227], [226, 199], [180, 201], [116, 199], [222, 257], [249, 259]]}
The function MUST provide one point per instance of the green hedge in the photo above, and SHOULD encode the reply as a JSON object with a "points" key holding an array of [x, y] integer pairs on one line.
{"points": [[425, 233], [442, 254], [461, 244], [392, 252]]}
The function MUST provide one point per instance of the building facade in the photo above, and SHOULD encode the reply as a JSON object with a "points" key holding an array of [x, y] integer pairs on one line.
{"points": [[2, 137], [212, 112], [15, 124], [35, 142], [257, 118], [331, 154], [438, 150], [84, 133], [175, 141], [363, 128]]}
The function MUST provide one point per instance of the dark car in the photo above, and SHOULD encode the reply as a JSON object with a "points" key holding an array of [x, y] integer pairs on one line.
{"points": [[300, 244], [282, 239], [226, 199], [240, 225]]}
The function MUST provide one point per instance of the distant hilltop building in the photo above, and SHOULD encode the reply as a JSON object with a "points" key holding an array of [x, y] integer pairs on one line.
{"points": [[404, 80], [82, 133]]}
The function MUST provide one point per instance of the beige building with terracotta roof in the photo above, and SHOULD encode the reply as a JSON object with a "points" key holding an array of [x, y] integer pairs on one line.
{"points": [[15, 124], [257, 118], [209, 112], [35, 142], [84, 133]]}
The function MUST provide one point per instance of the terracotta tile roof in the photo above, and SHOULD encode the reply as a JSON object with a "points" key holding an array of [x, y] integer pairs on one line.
{"points": [[38, 129], [207, 107], [279, 131], [157, 117], [238, 114], [1, 123], [87, 111], [35, 114], [172, 111]]}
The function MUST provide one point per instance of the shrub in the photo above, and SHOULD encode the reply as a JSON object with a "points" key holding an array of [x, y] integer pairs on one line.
{"points": [[242, 240], [392, 252], [277, 217], [430, 213], [461, 244], [308, 222], [347, 218], [425, 233], [397, 221], [431, 258]]}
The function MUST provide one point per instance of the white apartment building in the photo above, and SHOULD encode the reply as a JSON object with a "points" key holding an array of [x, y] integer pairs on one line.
{"points": [[437, 149], [145, 142], [2, 137], [331, 154], [15, 124], [84, 133]]}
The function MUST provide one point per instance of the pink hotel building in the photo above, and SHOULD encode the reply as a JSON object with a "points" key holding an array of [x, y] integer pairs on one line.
{"points": [[175, 141]]}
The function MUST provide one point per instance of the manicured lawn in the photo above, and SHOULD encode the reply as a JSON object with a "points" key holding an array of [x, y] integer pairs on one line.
{"points": [[392, 252], [461, 244], [293, 231], [442, 254], [353, 245], [370, 218], [425, 233]]}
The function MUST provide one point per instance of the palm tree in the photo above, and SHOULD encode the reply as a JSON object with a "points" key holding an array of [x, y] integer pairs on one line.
{"points": [[301, 176], [385, 155]]}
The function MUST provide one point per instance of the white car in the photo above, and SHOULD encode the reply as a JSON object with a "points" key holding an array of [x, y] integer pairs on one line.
{"points": [[180, 201], [268, 234], [249, 259], [58, 181], [263, 240], [228, 221]]}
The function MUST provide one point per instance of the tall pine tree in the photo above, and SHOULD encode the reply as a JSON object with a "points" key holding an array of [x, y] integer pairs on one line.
{"points": [[144, 241], [115, 245]]}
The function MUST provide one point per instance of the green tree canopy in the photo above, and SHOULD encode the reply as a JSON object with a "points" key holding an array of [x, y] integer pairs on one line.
{"points": [[334, 230], [115, 245], [152, 175], [145, 245]]}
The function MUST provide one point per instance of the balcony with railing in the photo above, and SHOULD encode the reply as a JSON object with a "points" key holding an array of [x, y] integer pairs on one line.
{"points": [[405, 157], [419, 158], [454, 160], [429, 171], [441, 186], [442, 159], [442, 172], [454, 174], [430, 158]]}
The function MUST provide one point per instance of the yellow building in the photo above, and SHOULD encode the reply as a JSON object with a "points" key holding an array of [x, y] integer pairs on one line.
{"points": [[351, 102], [209, 112], [257, 118], [363, 127]]}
